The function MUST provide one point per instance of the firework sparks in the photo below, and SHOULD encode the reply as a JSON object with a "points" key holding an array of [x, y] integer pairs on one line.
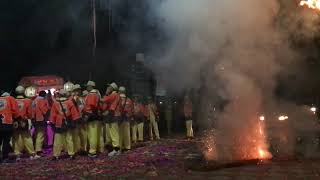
{"points": [[313, 4], [283, 118], [262, 147], [210, 146], [261, 153], [252, 144]]}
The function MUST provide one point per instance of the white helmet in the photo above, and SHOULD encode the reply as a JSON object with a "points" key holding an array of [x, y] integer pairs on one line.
{"points": [[122, 89], [76, 87], [68, 86], [85, 92], [20, 90], [5, 94], [114, 86], [91, 83], [30, 92]]}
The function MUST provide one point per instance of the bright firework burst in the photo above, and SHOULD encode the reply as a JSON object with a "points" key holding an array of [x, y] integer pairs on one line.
{"points": [[313, 4]]}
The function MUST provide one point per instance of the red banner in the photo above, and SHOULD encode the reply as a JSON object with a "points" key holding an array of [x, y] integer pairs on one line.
{"points": [[42, 81]]}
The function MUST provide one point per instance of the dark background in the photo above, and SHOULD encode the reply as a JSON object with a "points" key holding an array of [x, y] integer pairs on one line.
{"points": [[55, 37]]}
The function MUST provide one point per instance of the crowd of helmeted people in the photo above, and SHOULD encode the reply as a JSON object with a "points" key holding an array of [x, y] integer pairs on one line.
{"points": [[84, 121]]}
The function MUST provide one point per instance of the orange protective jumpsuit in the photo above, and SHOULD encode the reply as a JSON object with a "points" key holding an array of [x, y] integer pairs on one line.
{"points": [[40, 108], [124, 129], [112, 101], [95, 129], [139, 116], [80, 132], [63, 114], [21, 137], [8, 111]]}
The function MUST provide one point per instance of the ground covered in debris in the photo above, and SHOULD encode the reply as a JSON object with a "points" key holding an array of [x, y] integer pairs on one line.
{"points": [[165, 159]]}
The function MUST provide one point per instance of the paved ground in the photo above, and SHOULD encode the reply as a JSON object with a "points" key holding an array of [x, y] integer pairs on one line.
{"points": [[159, 160], [305, 169]]}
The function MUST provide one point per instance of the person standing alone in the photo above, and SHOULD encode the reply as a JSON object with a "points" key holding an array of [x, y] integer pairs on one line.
{"points": [[153, 118], [187, 110]]}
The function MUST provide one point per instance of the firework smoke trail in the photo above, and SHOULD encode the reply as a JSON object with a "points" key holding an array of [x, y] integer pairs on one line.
{"points": [[239, 51]]}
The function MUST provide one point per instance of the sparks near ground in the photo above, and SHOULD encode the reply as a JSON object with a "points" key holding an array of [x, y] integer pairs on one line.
{"points": [[251, 145], [263, 152], [313, 4]]}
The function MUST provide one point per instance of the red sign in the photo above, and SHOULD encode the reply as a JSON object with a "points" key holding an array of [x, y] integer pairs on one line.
{"points": [[43, 82]]}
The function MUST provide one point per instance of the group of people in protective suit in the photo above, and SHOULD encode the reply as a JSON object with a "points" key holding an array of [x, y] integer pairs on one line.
{"points": [[85, 122]]}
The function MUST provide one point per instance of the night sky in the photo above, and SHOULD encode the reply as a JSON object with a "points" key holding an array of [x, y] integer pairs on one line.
{"points": [[55, 37]]}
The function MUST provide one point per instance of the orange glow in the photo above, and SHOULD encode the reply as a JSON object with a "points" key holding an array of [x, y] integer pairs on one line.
{"points": [[313, 4], [250, 144], [260, 131], [262, 147], [261, 153]]}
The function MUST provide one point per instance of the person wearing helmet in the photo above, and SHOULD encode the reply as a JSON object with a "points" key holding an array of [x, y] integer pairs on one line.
{"points": [[153, 117], [40, 111], [139, 116], [83, 125], [112, 116], [63, 115], [80, 135], [68, 86], [30, 93], [76, 91], [92, 115], [8, 111], [73, 93], [21, 137], [187, 111], [126, 116]]}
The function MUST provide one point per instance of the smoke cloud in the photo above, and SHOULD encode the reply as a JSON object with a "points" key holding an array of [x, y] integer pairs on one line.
{"points": [[235, 50]]}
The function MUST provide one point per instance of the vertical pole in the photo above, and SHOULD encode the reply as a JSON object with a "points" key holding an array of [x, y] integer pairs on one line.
{"points": [[110, 15], [94, 31], [94, 24]]}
